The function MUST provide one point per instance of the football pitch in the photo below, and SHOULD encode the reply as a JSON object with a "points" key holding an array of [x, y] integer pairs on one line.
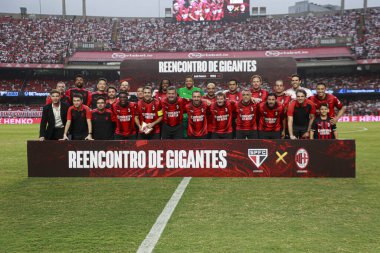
{"points": [[213, 215]]}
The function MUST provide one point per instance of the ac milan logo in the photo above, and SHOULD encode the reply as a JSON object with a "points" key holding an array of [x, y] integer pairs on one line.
{"points": [[302, 158], [258, 156]]}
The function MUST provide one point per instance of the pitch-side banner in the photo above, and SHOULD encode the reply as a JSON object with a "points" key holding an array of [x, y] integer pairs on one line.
{"points": [[220, 71], [192, 158]]}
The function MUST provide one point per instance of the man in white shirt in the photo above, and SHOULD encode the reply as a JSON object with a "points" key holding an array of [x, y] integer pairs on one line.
{"points": [[296, 85]]}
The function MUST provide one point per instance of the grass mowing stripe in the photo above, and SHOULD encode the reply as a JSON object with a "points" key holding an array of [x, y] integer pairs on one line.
{"points": [[155, 233]]}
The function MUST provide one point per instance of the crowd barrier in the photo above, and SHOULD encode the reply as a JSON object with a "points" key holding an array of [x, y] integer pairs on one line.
{"points": [[192, 158]]}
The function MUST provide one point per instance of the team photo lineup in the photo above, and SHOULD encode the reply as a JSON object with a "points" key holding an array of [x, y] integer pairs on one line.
{"points": [[169, 113]]}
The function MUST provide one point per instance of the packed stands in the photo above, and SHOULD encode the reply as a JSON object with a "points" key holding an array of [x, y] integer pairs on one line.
{"points": [[363, 107], [50, 40], [346, 82]]}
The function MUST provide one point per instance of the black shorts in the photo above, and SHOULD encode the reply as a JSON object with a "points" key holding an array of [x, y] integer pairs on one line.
{"points": [[79, 137], [57, 133], [298, 132], [270, 135], [172, 132], [222, 136], [197, 137], [246, 134], [124, 137], [151, 136]]}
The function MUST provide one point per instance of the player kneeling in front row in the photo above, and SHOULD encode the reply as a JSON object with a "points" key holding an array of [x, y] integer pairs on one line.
{"points": [[322, 127], [149, 116], [102, 125], [172, 109], [246, 111], [123, 114], [223, 112], [197, 112], [78, 120], [271, 119]]}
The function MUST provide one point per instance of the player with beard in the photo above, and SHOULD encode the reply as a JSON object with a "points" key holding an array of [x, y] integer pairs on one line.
{"points": [[223, 112], [210, 96], [258, 94], [197, 111], [102, 125], [187, 93], [54, 116], [123, 115], [296, 85], [86, 94], [172, 108], [301, 114], [150, 113], [246, 125], [61, 87], [332, 101], [101, 92], [271, 119], [322, 127], [161, 93], [126, 87], [78, 120], [111, 94], [233, 94]]}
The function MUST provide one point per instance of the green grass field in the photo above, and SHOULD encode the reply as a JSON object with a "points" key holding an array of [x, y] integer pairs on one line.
{"points": [[214, 214]]}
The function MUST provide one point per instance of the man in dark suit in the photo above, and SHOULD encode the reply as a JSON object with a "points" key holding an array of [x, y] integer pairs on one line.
{"points": [[54, 118]]}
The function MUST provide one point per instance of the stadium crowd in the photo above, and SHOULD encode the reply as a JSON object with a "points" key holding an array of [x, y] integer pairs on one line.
{"points": [[50, 40]]}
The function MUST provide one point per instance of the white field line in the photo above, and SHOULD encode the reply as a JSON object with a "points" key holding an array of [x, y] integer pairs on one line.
{"points": [[155, 232], [362, 129]]}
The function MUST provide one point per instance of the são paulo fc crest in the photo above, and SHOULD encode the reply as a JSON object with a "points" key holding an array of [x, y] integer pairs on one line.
{"points": [[258, 156]]}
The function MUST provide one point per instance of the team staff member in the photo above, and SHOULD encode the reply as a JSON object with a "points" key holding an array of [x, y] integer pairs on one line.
{"points": [[150, 113], [301, 114], [258, 94], [111, 94], [61, 88], [296, 85], [86, 94], [101, 92], [78, 120], [271, 119], [126, 87], [197, 111], [322, 127], [123, 114], [54, 116], [102, 125], [223, 112], [246, 126], [233, 94], [210, 96], [332, 101], [172, 108], [187, 93]]}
